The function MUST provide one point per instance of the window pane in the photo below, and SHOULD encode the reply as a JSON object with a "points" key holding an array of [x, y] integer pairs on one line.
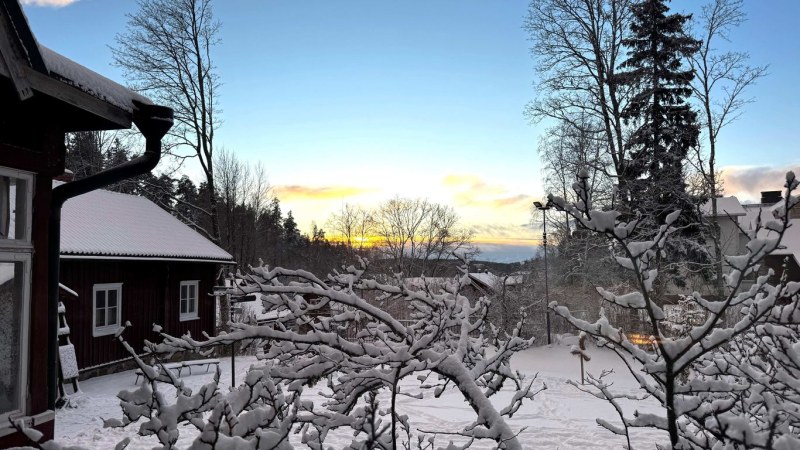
{"points": [[192, 304], [13, 208], [183, 306], [100, 299], [112, 316], [100, 317], [112, 297], [184, 290], [192, 291], [11, 298]]}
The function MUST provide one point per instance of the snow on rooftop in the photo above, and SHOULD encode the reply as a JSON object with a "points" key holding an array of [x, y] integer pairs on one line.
{"points": [[725, 206], [491, 280], [89, 81], [105, 223]]}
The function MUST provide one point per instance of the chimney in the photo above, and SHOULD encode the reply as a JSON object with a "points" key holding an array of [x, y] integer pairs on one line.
{"points": [[770, 197], [66, 177]]}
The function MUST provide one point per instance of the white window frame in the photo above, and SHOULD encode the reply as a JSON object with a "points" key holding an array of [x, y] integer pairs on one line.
{"points": [[25, 259], [105, 330], [23, 242], [184, 316], [20, 250]]}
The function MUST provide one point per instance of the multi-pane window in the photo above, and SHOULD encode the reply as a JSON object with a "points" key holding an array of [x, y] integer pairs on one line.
{"points": [[189, 299], [107, 308], [15, 283]]}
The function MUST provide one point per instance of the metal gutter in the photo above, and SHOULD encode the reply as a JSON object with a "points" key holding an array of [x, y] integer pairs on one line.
{"points": [[153, 121]]}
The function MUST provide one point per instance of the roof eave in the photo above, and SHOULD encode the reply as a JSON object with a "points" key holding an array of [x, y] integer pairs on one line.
{"points": [[86, 256]]}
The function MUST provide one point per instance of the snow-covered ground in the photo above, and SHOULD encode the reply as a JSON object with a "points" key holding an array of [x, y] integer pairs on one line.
{"points": [[561, 417]]}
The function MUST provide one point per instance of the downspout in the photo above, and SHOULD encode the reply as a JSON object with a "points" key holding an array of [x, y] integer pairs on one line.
{"points": [[153, 121]]}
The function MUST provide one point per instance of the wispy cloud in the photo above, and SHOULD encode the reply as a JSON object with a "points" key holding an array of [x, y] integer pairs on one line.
{"points": [[473, 190], [747, 182], [504, 233], [49, 3], [299, 192]]}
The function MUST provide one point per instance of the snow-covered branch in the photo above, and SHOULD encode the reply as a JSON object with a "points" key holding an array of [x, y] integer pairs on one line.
{"points": [[711, 374]]}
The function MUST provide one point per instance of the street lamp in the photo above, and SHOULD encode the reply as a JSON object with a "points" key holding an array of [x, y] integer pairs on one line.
{"points": [[544, 208]]}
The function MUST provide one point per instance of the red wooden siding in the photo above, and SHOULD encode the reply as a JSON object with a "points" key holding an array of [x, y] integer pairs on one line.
{"points": [[150, 294]]}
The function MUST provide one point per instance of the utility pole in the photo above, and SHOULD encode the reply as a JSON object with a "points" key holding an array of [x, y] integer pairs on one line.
{"points": [[544, 208]]}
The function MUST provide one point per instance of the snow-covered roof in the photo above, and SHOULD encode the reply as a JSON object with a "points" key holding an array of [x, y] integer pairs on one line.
{"points": [[491, 280], [791, 240], [105, 223], [88, 81], [725, 206]]}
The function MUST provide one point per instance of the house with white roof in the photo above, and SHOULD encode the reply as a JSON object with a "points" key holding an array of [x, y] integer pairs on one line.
{"points": [[729, 213], [128, 260], [789, 254]]}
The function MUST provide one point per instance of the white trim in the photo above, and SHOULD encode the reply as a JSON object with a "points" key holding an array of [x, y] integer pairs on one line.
{"points": [[146, 258], [24, 331], [28, 177], [30, 421], [194, 314], [105, 330]]}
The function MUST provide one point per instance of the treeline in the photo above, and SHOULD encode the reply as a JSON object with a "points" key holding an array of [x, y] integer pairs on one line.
{"points": [[252, 223]]}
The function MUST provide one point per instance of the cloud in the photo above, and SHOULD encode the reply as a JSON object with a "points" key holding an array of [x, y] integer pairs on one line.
{"points": [[298, 192], [472, 190], [504, 233], [747, 182], [49, 3]]}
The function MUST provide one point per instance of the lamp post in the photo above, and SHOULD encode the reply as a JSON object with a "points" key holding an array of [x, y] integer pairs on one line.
{"points": [[544, 208]]}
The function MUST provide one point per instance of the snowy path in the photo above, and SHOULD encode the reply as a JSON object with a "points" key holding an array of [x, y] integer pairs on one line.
{"points": [[559, 418]]}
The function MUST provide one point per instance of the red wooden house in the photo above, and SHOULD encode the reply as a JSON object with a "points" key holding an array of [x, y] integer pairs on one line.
{"points": [[128, 260], [44, 95]]}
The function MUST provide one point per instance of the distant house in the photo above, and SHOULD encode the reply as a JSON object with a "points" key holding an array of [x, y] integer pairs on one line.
{"points": [[487, 283], [790, 254], [729, 214], [44, 95], [128, 260]]}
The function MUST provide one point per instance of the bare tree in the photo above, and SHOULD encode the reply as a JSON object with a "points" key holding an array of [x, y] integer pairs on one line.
{"points": [[165, 52], [353, 226], [577, 45], [721, 79], [417, 236], [245, 193]]}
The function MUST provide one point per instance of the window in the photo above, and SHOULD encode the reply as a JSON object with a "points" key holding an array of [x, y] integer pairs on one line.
{"points": [[15, 207], [15, 284], [107, 308], [189, 300]]}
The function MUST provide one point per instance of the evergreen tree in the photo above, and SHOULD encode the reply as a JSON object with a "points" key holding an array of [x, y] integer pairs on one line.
{"points": [[665, 126], [187, 199], [290, 230], [84, 154]]}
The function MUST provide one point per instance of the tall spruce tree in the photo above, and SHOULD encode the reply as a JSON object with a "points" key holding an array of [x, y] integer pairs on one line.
{"points": [[665, 126]]}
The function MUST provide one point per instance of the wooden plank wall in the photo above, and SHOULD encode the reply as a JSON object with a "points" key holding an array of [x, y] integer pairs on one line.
{"points": [[150, 294]]}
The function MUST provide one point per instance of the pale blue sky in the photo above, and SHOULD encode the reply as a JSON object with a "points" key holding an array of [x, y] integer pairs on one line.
{"points": [[393, 97]]}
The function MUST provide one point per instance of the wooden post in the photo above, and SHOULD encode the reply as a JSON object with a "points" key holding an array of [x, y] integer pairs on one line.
{"points": [[233, 365]]}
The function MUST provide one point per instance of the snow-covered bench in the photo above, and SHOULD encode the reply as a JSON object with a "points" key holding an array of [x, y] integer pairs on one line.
{"points": [[179, 366]]}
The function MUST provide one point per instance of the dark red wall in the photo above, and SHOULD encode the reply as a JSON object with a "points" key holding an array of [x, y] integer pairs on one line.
{"points": [[150, 294], [45, 161]]}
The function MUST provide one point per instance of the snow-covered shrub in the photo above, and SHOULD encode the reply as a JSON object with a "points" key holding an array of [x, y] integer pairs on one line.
{"points": [[721, 386], [446, 345]]}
